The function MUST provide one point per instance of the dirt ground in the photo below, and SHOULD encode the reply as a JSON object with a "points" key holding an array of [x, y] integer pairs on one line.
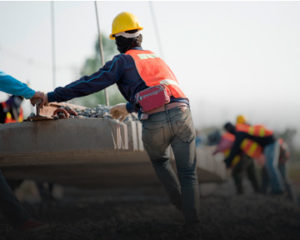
{"points": [[135, 214]]}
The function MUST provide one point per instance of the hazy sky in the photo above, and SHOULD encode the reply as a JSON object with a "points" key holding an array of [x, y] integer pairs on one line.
{"points": [[230, 57]]}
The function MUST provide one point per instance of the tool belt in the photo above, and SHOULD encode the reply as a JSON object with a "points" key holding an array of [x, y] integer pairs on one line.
{"points": [[152, 98], [166, 107]]}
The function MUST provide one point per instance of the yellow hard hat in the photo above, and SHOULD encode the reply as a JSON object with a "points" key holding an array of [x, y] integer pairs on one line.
{"points": [[124, 21], [241, 119]]}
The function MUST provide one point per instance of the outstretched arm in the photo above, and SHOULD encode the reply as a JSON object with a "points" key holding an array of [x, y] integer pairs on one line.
{"points": [[106, 76], [11, 85]]}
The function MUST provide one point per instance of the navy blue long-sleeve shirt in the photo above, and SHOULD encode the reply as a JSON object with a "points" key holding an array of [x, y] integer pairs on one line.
{"points": [[121, 70]]}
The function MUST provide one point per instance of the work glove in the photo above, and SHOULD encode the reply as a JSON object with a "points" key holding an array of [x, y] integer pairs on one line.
{"points": [[119, 111]]}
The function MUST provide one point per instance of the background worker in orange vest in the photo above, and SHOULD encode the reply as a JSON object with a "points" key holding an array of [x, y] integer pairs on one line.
{"points": [[244, 165], [152, 90], [9, 204], [11, 110], [261, 137], [241, 164]]}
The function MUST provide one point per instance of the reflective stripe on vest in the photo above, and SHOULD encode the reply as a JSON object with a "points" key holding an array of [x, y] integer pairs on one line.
{"points": [[235, 160], [21, 115], [226, 152], [256, 130], [251, 148], [154, 71]]}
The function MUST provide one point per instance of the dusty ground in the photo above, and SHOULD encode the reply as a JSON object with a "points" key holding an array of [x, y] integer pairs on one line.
{"points": [[146, 214]]}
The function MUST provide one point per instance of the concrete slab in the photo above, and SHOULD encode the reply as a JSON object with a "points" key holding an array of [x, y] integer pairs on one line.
{"points": [[52, 138], [132, 136], [102, 143], [139, 135], [212, 165]]}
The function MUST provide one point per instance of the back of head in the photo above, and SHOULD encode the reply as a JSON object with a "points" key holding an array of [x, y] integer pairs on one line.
{"points": [[126, 31], [15, 101], [229, 127], [126, 43]]}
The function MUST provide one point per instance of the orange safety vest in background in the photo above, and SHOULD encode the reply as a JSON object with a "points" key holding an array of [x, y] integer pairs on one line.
{"points": [[9, 118], [154, 71], [256, 130], [250, 147]]}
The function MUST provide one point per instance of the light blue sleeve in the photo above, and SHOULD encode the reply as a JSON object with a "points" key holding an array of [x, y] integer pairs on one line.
{"points": [[11, 85]]}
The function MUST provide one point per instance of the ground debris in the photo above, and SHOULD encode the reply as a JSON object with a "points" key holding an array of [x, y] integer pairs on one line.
{"points": [[140, 214]]}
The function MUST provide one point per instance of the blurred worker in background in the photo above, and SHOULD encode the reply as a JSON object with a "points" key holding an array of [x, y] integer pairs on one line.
{"points": [[11, 110], [151, 88], [244, 165], [284, 156], [251, 139], [241, 164], [9, 205]]}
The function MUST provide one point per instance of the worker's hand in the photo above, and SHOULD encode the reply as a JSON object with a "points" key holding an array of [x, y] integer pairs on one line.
{"points": [[61, 113], [71, 111], [119, 111], [38, 99]]}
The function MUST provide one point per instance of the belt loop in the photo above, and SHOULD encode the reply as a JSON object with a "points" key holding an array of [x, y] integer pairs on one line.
{"points": [[144, 116]]}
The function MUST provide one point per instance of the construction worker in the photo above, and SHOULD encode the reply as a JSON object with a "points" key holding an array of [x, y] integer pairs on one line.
{"points": [[241, 164], [166, 121], [11, 110], [251, 140], [244, 165], [9, 205], [284, 156]]}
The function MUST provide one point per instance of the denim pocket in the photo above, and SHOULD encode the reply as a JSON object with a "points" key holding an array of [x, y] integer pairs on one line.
{"points": [[183, 126], [154, 142], [153, 136]]}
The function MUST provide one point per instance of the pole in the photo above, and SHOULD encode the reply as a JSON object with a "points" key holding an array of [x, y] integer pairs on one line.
{"points": [[101, 50], [156, 29], [53, 46]]}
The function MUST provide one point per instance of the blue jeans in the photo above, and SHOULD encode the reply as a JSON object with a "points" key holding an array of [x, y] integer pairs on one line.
{"points": [[271, 152], [288, 186], [10, 206], [174, 127]]}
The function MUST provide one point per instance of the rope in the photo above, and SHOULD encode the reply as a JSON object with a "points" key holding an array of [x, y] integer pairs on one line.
{"points": [[156, 29], [101, 50]]}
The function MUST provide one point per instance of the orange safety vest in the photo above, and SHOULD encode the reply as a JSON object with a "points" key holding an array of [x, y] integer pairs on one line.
{"points": [[154, 71], [256, 130], [250, 147], [9, 118]]}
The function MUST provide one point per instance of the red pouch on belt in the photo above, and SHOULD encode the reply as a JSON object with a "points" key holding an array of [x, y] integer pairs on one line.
{"points": [[152, 98]]}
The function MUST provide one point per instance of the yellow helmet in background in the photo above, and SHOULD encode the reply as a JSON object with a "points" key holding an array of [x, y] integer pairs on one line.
{"points": [[124, 21], [241, 119]]}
